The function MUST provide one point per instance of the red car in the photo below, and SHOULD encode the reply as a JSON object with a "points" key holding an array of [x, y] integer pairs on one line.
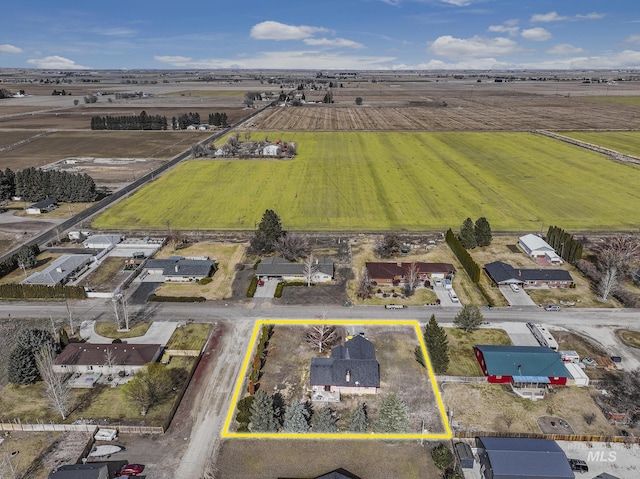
{"points": [[130, 470]]}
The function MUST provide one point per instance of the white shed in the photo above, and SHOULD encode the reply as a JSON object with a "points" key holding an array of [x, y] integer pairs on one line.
{"points": [[577, 375], [271, 150]]}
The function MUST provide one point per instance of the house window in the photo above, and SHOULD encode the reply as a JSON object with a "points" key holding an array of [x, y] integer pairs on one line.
{"points": [[90, 368], [327, 388], [498, 377]]}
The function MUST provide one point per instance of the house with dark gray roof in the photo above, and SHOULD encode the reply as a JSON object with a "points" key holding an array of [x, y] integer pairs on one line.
{"points": [[351, 369], [43, 206], [279, 268], [393, 273], [522, 458], [90, 470], [61, 270], [503, 273], [179, 269]]}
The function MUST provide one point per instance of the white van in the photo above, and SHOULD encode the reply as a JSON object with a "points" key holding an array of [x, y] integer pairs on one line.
{"points": [[453, 296], [106, 435]]}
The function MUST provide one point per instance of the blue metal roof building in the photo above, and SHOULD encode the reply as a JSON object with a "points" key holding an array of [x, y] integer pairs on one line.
{"points": [[518, 458]]}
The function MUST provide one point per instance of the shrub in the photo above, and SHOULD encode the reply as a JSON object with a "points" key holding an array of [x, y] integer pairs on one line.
{"points": [[279, 289], [255, 265], [206, 280], [442, 456], [252, 287]]}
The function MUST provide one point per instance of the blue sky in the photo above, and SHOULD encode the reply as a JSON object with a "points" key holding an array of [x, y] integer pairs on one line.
{"points": [[324, 34]]}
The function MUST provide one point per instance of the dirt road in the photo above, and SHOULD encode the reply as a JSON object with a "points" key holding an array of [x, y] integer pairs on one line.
{"points": [[210, 407]]}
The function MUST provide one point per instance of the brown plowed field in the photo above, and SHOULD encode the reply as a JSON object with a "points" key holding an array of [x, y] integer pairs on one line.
{"points": [[472, 114]]}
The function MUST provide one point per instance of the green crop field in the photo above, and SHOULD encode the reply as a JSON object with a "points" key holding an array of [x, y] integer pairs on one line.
{"points": [[394, 181], [627, 142]]}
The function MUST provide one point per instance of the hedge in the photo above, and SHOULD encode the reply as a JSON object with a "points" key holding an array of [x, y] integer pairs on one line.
{"points": [[206, 280], [279, 289], [252, 287], [470, 266], [35, 291]]}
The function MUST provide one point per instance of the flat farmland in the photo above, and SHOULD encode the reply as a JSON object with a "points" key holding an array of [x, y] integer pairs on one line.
{"points": [[393, 181], [627, 142], [99, 144]]}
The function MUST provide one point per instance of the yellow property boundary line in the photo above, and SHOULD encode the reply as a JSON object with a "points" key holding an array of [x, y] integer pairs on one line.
{"points": [[279, 435]]}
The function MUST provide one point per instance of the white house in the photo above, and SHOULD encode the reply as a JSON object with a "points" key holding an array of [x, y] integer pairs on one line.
{"points": [[279, 268], [40, 207], [106, 358], [272, 150], [102, 241], [536, 248], [62, 270]]}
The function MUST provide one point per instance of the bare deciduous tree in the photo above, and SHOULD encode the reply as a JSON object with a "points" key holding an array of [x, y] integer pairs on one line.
{"points": [[57, 388], [109, 359], [310, 268], [364, 286], [608, 282], [322, 336], [411, 279], [293, 246]]}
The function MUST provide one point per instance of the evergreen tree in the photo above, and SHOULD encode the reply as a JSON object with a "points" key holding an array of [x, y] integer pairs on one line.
{"points": [[437, 344], [482, 232], [296, 418], [23, 368], [358, 421], [324, 421], [467, 234], [26, 257], [393, 416], [469, 318], [263, 418], [266, 236]]}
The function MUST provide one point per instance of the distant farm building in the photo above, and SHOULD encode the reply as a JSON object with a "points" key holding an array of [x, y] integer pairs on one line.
{"points": [[40, 207], [539, 249], [101, 242]]}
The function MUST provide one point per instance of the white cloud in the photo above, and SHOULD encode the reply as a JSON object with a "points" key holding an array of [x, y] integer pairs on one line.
{"points": [[448, 46], [511, 30], [470, 64], [55, 62], [547, 17], [564, 49], [536, 34], [591, 16], [271, 30], [458, 3], [6, 48], [294, 59], [627, 59], [115, 32], [333, 42], [633, 38], [172, 59]]}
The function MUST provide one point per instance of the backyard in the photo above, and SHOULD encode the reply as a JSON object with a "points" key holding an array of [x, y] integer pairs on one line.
{"points": [[463, 361]]}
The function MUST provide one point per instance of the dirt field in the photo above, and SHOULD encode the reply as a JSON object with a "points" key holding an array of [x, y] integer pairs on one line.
{"points": [[271, 459], [494, 407], [286, 371]]}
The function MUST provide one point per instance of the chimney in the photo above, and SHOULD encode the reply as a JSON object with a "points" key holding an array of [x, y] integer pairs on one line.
{"points": [[176, 268], [59, 269], [348, 377]]}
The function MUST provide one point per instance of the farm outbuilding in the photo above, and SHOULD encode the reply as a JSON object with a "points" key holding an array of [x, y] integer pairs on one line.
{"points": [[40, 207], [465, 455], [520, 458], [102, 241], [537, 248]]}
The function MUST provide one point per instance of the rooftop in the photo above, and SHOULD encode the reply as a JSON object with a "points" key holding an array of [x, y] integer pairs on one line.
{"points": [[522, 361]]}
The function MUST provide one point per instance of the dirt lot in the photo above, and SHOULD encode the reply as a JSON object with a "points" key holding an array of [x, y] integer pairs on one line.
{"points": [[271, 459], [107, 276], [286, 371], [494, 407], [586, 348], [29, 446]]}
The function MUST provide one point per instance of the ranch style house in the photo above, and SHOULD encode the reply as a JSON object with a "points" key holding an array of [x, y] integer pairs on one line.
{"points": [[351, 369]]}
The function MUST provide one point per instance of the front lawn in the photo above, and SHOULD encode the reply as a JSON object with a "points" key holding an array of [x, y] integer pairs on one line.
{"points": [[463, 361], [192, 336], [108, 329]]}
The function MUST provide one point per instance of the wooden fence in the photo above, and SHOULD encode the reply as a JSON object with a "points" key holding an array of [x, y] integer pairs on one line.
{"points": [[555, 437], [90, 428]]}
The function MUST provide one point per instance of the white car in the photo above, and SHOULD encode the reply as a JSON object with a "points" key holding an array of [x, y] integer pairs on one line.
{"points": [[453, 296], [515, 287]]}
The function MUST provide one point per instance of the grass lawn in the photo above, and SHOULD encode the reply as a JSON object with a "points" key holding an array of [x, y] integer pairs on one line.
{"points": [[29, 403], [190, 336], [622, 141], [463, 361], [31, 445], [494, 407], [108, 329], [107, 276], [259, 459], [628, 337], [227, 255], [392, 181]]}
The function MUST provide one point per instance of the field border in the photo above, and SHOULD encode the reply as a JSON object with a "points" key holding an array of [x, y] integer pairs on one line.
{"points": [[372, 322]]}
